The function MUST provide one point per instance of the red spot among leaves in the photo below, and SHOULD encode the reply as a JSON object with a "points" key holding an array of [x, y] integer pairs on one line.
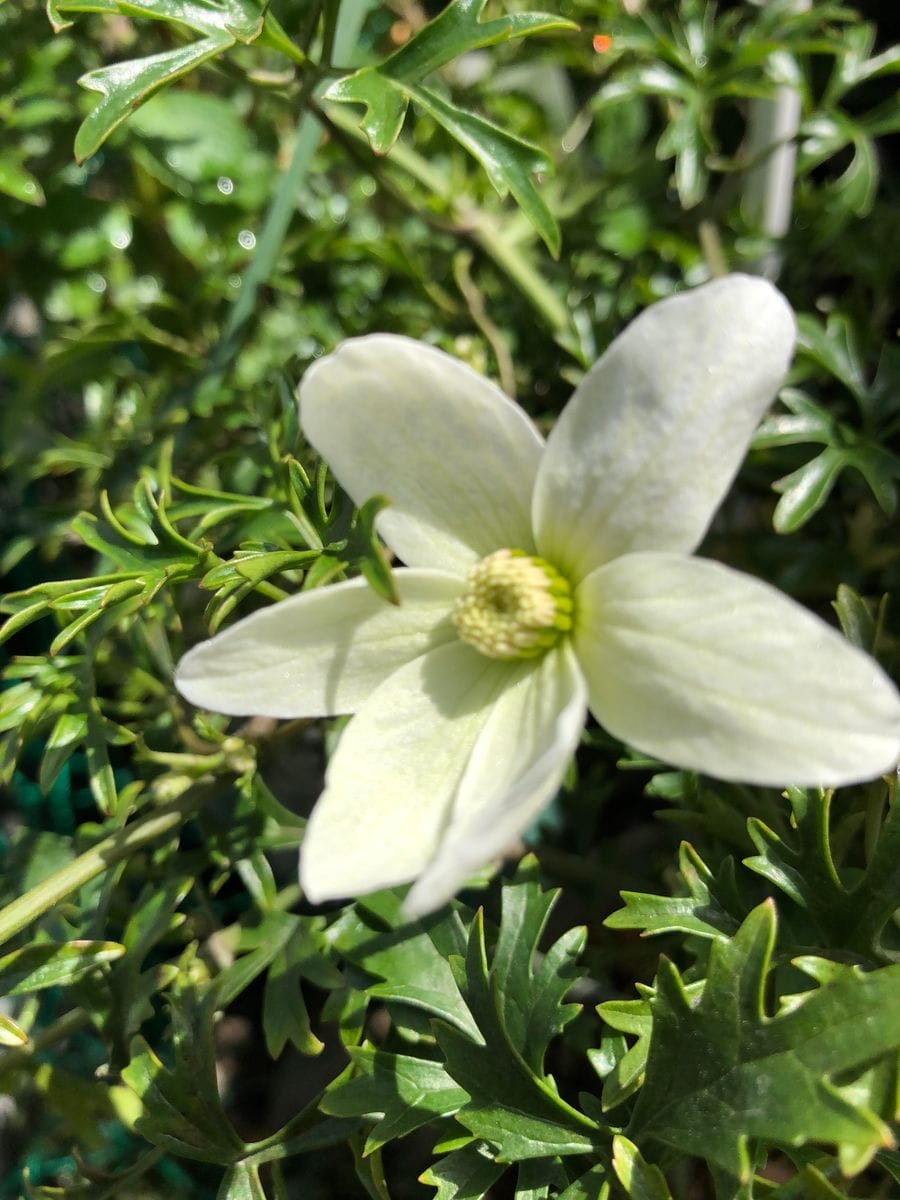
{"points": [[601, 42]]}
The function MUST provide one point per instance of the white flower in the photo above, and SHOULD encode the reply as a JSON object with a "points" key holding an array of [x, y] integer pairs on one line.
{"points": [[543, 579]]}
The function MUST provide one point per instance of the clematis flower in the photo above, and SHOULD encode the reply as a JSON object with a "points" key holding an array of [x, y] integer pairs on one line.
{"points": [[543, 579]]}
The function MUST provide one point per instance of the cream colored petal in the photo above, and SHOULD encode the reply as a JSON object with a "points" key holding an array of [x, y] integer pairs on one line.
{"points": [[321, 652], [390, 786], [455, 457], [516, 767], [650, 442], [714, 671]]}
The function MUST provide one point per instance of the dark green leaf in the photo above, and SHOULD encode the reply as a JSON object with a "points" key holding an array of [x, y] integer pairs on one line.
{"points": [[623, 1071], [466, 1174], [271, 936], [50, 964], [592, 1185], [834, 347], [806, 490], [721, 1072], [706, 911], [182, 1111], [285, 1017], [847, 918], [365, 546], [508, 161], [403, 1092], [529, 996], [859, 624], [411, 959], [536, 1176], [102, 777], [855, 189], [458, 29], [386, 90], [125, 85], [512, 1106], [806, 421], [64, 739], [18, 182]]}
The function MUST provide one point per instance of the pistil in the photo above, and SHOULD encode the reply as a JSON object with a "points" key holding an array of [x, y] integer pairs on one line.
{"points": [[515, 605]]}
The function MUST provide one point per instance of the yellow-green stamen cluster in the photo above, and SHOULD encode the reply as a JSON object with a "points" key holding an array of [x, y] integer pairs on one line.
{"points": [[515, 606]]}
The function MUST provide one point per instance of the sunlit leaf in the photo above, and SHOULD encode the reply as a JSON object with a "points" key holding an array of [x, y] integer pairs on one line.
{"points": [[48, 964], [466, 1174], [124, 85], [707, 911], [640, 1179], [721, 1072], [387, 89], [402, 1092], [18, 182]]}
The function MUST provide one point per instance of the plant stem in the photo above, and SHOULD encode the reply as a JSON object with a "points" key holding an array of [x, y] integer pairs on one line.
{"points": [[478, 311], [769, 185], [473, 223], [275, 227], [114, 849], [486, 234], [344, 19]]}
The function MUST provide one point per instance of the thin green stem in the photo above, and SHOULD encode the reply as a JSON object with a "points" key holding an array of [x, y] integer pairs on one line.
{"points": [[343, 21], [310, 23], [329, 1132], [114, 849], [331, 15], [275, 227], [486, 234], [479, 314], [347, 27]]}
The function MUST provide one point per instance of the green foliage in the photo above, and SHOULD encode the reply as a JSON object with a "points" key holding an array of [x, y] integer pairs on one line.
{"points": [[466, 1174], [641, 1180], [44, 965], [493, 1017], [386, 91], [721, 1073], [526, 1117], [851, 918], [697, 62], [707, 911], [125, 85], [181, 1108], [177, 1020], [405, 1092], [832, 348]]}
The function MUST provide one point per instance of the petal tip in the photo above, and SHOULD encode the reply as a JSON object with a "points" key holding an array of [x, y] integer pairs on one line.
{"points": [[763, 304]]}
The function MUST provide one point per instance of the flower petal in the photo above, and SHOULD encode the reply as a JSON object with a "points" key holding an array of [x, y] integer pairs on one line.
{"points": [[455, 457], [516, 767], [714, 671], [391, 783], [652, 438], [320, 652]]}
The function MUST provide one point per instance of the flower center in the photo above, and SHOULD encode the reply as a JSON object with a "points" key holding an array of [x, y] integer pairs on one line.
{"points": [[514, 606]]}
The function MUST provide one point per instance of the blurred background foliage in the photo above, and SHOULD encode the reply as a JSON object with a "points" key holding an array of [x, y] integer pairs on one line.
{"points": [[164, 289]]}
